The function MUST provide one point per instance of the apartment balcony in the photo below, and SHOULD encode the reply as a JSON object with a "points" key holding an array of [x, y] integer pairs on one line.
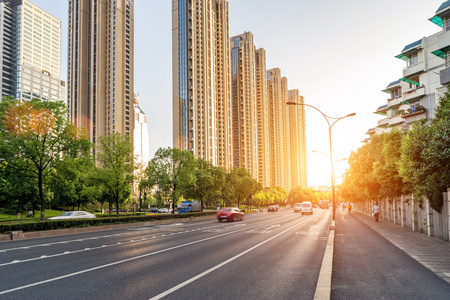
{"points": [[396, 121], [395, 101], [382, 110], [445, 76], [443, 40], [383, 122], [414, 114], [414, 69], [414, 94]]}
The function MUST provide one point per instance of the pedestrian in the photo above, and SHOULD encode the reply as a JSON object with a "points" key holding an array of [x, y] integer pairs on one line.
{"points": [[349, 207], [376, 211]]}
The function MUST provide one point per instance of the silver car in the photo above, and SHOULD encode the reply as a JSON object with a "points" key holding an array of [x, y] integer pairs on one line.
{"points": [[74, 215]]}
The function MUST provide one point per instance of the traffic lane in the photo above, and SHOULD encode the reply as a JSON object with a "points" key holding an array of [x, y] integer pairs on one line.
{"points": [[367, 266], [47, 268], [81, 264], [48, 247], [32, 249], [282, 266]]}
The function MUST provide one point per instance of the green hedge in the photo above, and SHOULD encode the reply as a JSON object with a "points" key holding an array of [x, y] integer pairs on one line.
{"points": [[64, 224]]}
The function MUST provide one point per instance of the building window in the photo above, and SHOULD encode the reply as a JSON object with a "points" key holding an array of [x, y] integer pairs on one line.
{"points": [[413, 59]]}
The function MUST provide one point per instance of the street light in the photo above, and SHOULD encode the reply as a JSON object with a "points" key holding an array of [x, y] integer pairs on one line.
{"points": [[327, 118]]}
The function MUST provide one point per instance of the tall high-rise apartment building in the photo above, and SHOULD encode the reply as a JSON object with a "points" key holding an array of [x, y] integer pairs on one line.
{"points": [[101, 66], [244, 101], [30, 52], [297, 150], [202, 79], [262, 114], [276, 133], [286, 134]]}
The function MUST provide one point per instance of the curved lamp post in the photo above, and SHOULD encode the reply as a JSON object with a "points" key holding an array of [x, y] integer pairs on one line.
{"points": [[330, 125]]}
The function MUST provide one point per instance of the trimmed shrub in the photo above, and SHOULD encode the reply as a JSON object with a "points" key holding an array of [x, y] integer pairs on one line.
{"points": [[64, 224]]}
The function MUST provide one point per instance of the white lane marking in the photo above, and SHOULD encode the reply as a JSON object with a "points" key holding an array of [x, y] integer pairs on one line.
{"points": [[273, 226], [258, 231], [312, 228], [177, 287], [118, 262], [307, 233], [91, 238]]}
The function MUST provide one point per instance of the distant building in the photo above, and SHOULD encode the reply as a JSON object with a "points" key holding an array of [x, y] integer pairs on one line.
{"points": [[262, 114], [297, 151], [276, 134], [30, 52], [202, 80], [101, 66], [141, 146], [244, 103]]}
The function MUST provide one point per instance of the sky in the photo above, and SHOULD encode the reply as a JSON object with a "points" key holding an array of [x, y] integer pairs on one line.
{"points": [[338, 54]]}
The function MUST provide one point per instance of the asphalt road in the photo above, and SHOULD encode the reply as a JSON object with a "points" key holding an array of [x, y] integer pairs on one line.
{"points": [[266, 256]]}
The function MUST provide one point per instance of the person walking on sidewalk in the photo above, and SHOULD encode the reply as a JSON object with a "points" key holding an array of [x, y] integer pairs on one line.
{"points": [[349, 207], [376, 211]]}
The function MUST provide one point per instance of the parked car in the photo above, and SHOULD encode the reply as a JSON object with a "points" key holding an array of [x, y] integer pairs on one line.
{"points": [[230, 214], [164, 210], [153, 210], [74, 215], [272, 208], [307, 208], [297, 207]]}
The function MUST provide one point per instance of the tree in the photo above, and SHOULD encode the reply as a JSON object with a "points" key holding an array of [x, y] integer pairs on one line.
{"points": [[244, 186], [115, 167], [360, 182], [386, 168], [425, 156], [208, 182], [33, 136], [299, 194], [170, 173]]}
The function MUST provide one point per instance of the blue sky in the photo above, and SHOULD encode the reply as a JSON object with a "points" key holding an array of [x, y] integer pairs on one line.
{"points": [[339, 54]]}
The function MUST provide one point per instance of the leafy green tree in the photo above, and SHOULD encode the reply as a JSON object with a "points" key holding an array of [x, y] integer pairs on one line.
{"points": [[33, 136], [115, 167], [208, 182], [425, 156], [386, 168], [299, 194], [170, 173], [244, 186], [360, 182]]}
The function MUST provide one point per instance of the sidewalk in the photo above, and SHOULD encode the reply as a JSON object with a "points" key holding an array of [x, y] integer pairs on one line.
{"points": [[432, 253], [385, 261]]}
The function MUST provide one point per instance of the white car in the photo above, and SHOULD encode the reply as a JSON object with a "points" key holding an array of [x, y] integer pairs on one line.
{"points": [[74, 215], [297, 207], [307, 208], [163, 210]]}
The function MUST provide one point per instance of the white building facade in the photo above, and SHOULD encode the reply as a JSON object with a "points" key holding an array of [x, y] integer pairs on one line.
{"points": [[415, 94]]}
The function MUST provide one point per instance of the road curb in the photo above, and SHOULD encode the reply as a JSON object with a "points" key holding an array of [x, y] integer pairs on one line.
{"points": [[323, 288]]}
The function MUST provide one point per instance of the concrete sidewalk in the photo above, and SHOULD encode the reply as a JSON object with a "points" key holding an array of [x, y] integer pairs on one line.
{"points": [[432, 253], [380, 260]]}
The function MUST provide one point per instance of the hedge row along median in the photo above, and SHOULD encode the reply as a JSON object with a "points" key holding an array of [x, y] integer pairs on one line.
{"points": [[64, 224]]}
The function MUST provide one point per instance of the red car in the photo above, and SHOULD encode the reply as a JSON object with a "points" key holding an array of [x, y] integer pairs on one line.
{"points": [[230, 214]]}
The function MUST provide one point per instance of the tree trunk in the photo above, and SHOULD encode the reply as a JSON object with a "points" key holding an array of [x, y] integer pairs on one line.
{"points": [[41, 195], [117, 205], [18, 211], [140, 201]]}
